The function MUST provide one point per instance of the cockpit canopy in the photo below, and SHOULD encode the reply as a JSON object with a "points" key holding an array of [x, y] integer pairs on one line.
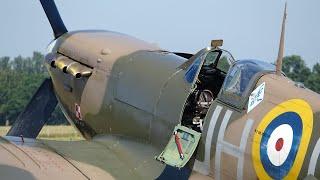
{"points": [[241, 79]]}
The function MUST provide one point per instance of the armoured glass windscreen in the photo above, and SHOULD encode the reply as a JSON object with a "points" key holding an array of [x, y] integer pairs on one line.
{"points": [[211, 58], [218, 59], [225, 61]]}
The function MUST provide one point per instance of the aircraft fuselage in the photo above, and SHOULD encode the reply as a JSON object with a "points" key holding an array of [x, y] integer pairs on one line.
{"points": [[134, 89]]}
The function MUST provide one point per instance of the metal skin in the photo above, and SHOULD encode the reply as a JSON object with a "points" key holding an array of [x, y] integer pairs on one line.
{"points": [[132, 94]]}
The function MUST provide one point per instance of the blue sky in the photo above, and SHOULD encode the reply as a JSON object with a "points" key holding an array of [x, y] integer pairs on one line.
{"points": [[250, 28]]}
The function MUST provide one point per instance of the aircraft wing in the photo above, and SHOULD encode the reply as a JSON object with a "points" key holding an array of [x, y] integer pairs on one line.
{"points": [[105, 157]]}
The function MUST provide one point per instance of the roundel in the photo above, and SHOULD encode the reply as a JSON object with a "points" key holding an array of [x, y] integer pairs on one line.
{"points": [[281, 140]]}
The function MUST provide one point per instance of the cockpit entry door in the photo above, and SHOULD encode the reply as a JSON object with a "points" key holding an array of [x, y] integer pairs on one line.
{"points": [[180, 148]]}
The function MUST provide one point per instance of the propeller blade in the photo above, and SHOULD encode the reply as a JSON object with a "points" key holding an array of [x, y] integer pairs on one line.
{"points": [[54, 18], [34, 116]]}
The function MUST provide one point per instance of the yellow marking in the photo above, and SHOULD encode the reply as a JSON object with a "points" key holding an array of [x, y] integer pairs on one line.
{"points": [[303, 109]]}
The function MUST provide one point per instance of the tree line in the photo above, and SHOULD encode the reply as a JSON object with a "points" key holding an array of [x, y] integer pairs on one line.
{"points": [[295, 68], [21, 76]]}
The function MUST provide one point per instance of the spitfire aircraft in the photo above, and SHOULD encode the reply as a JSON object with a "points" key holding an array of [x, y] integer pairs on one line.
{"points": [[149, 113]]}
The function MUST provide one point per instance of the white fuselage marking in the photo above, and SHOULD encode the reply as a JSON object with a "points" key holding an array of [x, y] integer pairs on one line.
{"points": [[226, 147], [314, 159], [223, 146], [204, 167]]}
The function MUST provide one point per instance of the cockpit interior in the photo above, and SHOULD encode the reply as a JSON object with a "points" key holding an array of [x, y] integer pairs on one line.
{"points": [[207, 73]]}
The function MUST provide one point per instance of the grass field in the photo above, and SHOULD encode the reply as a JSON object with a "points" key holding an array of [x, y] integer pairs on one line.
{"points": [[62, 133]]}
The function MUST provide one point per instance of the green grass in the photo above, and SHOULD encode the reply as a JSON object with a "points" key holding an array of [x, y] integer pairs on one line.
{"points": [[61, 133]]}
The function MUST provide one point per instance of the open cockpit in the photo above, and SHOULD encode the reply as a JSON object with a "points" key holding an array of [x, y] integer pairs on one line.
{"points": [[207, 74]]}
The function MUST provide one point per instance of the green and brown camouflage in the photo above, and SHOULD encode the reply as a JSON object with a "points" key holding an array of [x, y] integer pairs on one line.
{"points": [[127, 96]]}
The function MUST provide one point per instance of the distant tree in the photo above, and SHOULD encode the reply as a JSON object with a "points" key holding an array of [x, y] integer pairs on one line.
{"points": [[4, 63], [296, 69], [19, 80], [314, 78], [38, 63]]}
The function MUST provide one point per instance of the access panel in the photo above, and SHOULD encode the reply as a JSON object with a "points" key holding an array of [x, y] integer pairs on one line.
{"points": [[180, 148]]}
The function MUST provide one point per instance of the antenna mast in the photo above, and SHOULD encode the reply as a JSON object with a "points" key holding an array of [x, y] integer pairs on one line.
{"points": [[281, 45]]}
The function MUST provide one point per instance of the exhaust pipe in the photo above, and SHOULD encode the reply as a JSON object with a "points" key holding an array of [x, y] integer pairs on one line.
{"points": [[69, 66], [62, 63], [78, 70]]}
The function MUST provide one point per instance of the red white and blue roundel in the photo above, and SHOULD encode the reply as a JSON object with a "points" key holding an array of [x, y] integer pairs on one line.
{"points": [[280, 147]]}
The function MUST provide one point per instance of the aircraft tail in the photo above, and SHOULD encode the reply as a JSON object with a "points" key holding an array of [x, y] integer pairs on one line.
{"points": [[54, 18], [281, 45]]}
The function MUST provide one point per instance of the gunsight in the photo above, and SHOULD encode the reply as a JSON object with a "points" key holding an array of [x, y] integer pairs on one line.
{"points": [[216, 43]]}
